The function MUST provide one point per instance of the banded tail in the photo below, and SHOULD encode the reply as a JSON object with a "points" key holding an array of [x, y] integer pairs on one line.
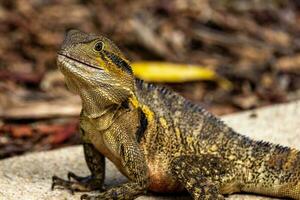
{"points": [[275, 171]]}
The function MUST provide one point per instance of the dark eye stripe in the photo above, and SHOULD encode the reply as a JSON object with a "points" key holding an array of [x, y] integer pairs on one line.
{"points": [[118, 61], [103, 57]]}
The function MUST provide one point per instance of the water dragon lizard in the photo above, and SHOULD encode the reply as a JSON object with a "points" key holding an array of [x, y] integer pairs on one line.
{"points": [[160, 141]]}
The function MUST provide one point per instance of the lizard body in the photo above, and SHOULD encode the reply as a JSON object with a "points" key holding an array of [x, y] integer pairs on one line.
{"points": [[160, 141]]}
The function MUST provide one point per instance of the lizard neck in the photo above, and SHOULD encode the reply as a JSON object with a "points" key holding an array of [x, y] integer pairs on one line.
{"points": [[95, 104]]}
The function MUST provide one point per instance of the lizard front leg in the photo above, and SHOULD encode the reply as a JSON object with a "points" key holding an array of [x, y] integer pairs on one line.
{"points": [[133, 163], [96, 163]]}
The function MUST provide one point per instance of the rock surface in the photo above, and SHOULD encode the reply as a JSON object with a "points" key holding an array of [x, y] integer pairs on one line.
{"points": [[29, 177]]}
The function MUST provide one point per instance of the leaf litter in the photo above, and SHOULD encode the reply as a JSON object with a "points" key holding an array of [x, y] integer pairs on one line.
{"points": [[254, 45]]}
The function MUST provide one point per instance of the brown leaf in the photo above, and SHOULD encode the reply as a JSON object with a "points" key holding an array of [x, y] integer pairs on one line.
{"points": [[19, 131], [62, 134]]}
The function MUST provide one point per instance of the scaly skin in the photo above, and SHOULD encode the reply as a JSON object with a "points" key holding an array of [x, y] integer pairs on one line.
{"points": [[159, 140]]}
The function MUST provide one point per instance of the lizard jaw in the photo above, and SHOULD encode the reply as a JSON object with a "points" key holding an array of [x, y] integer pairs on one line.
{"points": [[63, 57], [83, 73]]}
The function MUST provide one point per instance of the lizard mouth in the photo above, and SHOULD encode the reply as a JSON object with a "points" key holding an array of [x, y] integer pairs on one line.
{"points": [[79, 61]]}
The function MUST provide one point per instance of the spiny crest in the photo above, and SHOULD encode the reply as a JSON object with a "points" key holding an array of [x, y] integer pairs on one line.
{"points": [[164, 91], [277, 147]]}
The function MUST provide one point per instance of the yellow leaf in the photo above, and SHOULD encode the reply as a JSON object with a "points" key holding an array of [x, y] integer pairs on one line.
{"points": [[175, 73]]}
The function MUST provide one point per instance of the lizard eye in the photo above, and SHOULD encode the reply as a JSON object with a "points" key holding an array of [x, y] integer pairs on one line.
{"points": [[98, 46]]}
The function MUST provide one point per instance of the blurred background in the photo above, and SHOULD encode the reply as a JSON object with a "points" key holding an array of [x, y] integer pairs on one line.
{"points": [[232, 55]]}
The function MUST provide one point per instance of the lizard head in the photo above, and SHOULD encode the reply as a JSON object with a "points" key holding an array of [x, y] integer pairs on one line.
{"points": [[93, 65]]}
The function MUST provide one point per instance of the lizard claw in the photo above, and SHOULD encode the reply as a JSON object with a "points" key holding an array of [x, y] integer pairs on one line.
{"points": [[83, 184], [56, 181], [71, 175], [53, 182]]}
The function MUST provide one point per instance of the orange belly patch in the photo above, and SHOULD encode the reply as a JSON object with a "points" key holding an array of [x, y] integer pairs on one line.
{"points": [[161, 180]]}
